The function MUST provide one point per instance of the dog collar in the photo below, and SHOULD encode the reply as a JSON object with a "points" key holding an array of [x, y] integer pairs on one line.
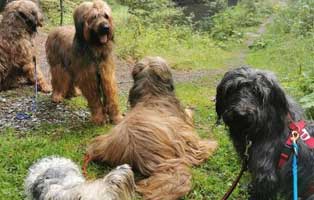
{"points": [[304, 135]]}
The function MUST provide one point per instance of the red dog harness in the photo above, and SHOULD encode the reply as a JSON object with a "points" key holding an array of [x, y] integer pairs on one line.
{"points": [[304, 135]]}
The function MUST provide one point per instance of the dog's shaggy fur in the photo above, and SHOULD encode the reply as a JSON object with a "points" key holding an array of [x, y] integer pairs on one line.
{"points": [[3, 3], [254, 106], [156, 137], [59, 178], [17, 52], [83, 57]]}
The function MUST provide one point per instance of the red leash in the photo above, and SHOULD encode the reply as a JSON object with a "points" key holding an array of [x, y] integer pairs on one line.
{"points": [[87, 159], [235, 182]]}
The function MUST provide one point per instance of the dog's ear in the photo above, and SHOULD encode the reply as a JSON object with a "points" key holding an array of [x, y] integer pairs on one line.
{"points": [[219, 102], [40, 19], [81, 28], [112, 27], [79, 25], [275, 94], [279, 98], [137, 69], [30, 20]]}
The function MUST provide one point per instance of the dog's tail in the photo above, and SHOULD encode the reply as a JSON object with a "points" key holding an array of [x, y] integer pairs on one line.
{"points": [[171, 180]]}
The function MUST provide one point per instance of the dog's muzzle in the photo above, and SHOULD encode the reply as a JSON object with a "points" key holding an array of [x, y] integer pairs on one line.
{"points": [[239, 117], [103, 32]]}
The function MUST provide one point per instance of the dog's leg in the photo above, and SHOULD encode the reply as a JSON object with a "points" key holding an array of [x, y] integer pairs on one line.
{"points": [[29, 71], [73, 91], [87, 82], [76, 91], [107, 72], [60, 81], [263, 166]]}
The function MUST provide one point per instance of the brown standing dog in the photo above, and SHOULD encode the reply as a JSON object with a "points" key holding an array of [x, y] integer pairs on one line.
{"points": [[157, 137], [82, 57], [17, 52]]}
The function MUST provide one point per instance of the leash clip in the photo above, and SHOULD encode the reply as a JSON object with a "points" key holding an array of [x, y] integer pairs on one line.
{"points": [[294, 137], [247, 147]]}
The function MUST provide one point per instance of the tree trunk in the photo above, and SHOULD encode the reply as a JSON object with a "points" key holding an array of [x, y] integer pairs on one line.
{"points": [[61, 12]]}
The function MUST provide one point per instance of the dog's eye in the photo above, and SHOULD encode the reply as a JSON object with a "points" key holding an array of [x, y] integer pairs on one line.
{"points": [[94, 17], [106, 16]]}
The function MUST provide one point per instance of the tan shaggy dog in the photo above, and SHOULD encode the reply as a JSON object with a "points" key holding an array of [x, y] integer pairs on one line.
{"points": [[17, 52], [82, 57], [156, 137]]}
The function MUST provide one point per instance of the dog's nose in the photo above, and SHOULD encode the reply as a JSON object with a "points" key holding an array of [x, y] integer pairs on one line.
{"points": [[104, 29], [237, 115], [240, 116]]}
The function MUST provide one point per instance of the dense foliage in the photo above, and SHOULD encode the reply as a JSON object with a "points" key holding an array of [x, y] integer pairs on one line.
{"points": [[229, 24], [151, 12], [298, 20]]}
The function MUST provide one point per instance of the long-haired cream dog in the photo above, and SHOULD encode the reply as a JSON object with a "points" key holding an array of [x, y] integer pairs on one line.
{"points": [[57, 178], [156, 138]]}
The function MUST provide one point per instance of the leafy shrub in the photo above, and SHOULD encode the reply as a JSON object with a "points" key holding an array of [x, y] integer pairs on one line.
{"points": [[227, 25], [200, 11], [259, 44], [215, 6], [308, 104], [156, 28], [180, 45], [152, 12], [298, 18]]}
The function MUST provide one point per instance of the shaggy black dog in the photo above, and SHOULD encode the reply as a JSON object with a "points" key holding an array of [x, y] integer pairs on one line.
{"points": [[255, 108]]}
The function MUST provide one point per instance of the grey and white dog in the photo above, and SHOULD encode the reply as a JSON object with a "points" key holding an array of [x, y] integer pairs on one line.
{"points": [[57, 178]]}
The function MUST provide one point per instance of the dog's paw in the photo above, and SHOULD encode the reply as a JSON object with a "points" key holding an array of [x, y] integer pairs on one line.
{"points": [[45, 88], [56, 98], [77, 92], [98, 119]]}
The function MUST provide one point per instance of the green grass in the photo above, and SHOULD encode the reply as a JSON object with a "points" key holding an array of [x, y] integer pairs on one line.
{"points": [[18, 152], [213, 178], [183, 48], [289, 57]]}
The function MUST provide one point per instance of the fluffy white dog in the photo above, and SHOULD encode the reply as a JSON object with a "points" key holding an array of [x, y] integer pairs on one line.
{"points": [[57, 178]]}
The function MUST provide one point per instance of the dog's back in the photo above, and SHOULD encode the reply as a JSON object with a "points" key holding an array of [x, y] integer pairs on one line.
{"points": [[59, 46]]}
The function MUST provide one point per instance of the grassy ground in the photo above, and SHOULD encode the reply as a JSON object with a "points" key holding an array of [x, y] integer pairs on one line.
{"points": [[193, 51], [19, 150]]}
